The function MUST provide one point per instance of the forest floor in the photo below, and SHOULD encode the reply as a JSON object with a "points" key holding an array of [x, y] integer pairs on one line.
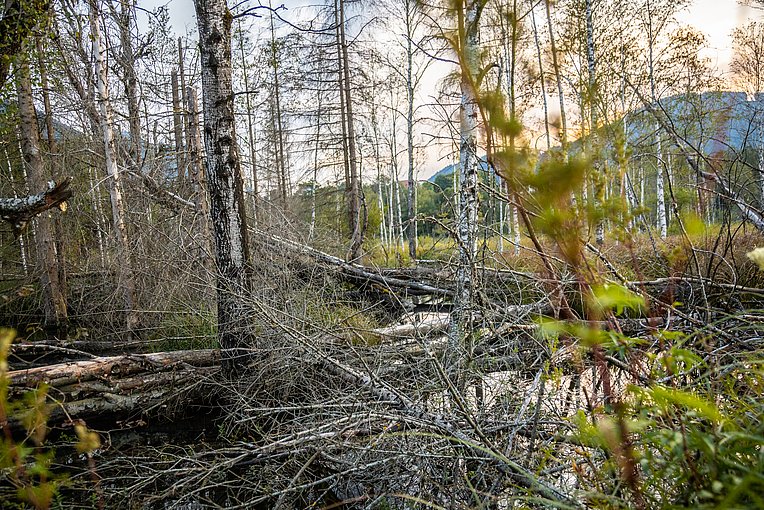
{"points": [[347, 401]]}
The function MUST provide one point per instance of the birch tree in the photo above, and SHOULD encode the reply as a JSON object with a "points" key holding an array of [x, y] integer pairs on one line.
{"points": [[468, 14], [226, 185], [655, 16]]}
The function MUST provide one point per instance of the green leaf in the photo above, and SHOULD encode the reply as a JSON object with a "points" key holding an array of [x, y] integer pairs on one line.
{"points": [[664, 397], [609, 297]]}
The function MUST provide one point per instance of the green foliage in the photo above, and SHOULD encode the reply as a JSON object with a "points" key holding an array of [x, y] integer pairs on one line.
{"points": [[26, 464], [610, 297], [693, 440]]}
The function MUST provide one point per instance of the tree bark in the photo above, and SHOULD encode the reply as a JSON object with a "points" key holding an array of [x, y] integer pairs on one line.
{"points": [[198, 174], [661, 219], [558, 78], [251, 130], [411, 230], [278, 121], [354, 195], [108, 388], [53, 160], [593, 136], [177, 123], [184, 101], [54, 300], [18, 211], [234, 282], [127, 62], [127, 276], [466, 227]]}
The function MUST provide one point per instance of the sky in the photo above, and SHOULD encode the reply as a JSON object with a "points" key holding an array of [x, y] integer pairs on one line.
{"points": [[715, 18]]}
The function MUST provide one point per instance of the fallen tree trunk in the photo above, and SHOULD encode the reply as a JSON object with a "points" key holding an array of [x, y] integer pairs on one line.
{"points": [[117, 387], [355, 272]]}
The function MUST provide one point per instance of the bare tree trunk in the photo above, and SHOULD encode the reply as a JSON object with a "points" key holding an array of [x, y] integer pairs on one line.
{"points": [[234, 281], [53, 159], [541, 78], [662, 222], [516, 229], [95, 196], [177, 122], [397, 197], [593, 139], [354, 195], [281, 156], [127, 62], [198, 175], [411, 230], [558, 77], [391, 209], [314, 185], [380, 188], [251, 132], [54, 300], [466, 227], [184, 101], [127, 275], [22, 244]]}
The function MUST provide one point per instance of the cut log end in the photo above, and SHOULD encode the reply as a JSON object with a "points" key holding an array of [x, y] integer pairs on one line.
{"points": [[19, 211]]}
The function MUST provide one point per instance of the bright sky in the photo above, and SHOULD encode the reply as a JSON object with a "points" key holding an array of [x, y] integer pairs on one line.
{"points": [[717, 19]]}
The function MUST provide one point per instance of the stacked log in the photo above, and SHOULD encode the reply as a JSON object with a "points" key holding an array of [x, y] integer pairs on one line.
{"points": [[127, 387]]}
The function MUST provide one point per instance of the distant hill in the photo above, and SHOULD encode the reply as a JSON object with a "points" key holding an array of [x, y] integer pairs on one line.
{"points": [[713, 122], [449, 170]]}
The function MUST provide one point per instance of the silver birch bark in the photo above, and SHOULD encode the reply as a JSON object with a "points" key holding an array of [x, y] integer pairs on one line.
{"points": [[390, 208], [411, 230], [661, 219], [54, 300], [592, 139], [466, 227], [397, 187], [380, 188], [516, 229], [127, 275], [226, 186]]}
